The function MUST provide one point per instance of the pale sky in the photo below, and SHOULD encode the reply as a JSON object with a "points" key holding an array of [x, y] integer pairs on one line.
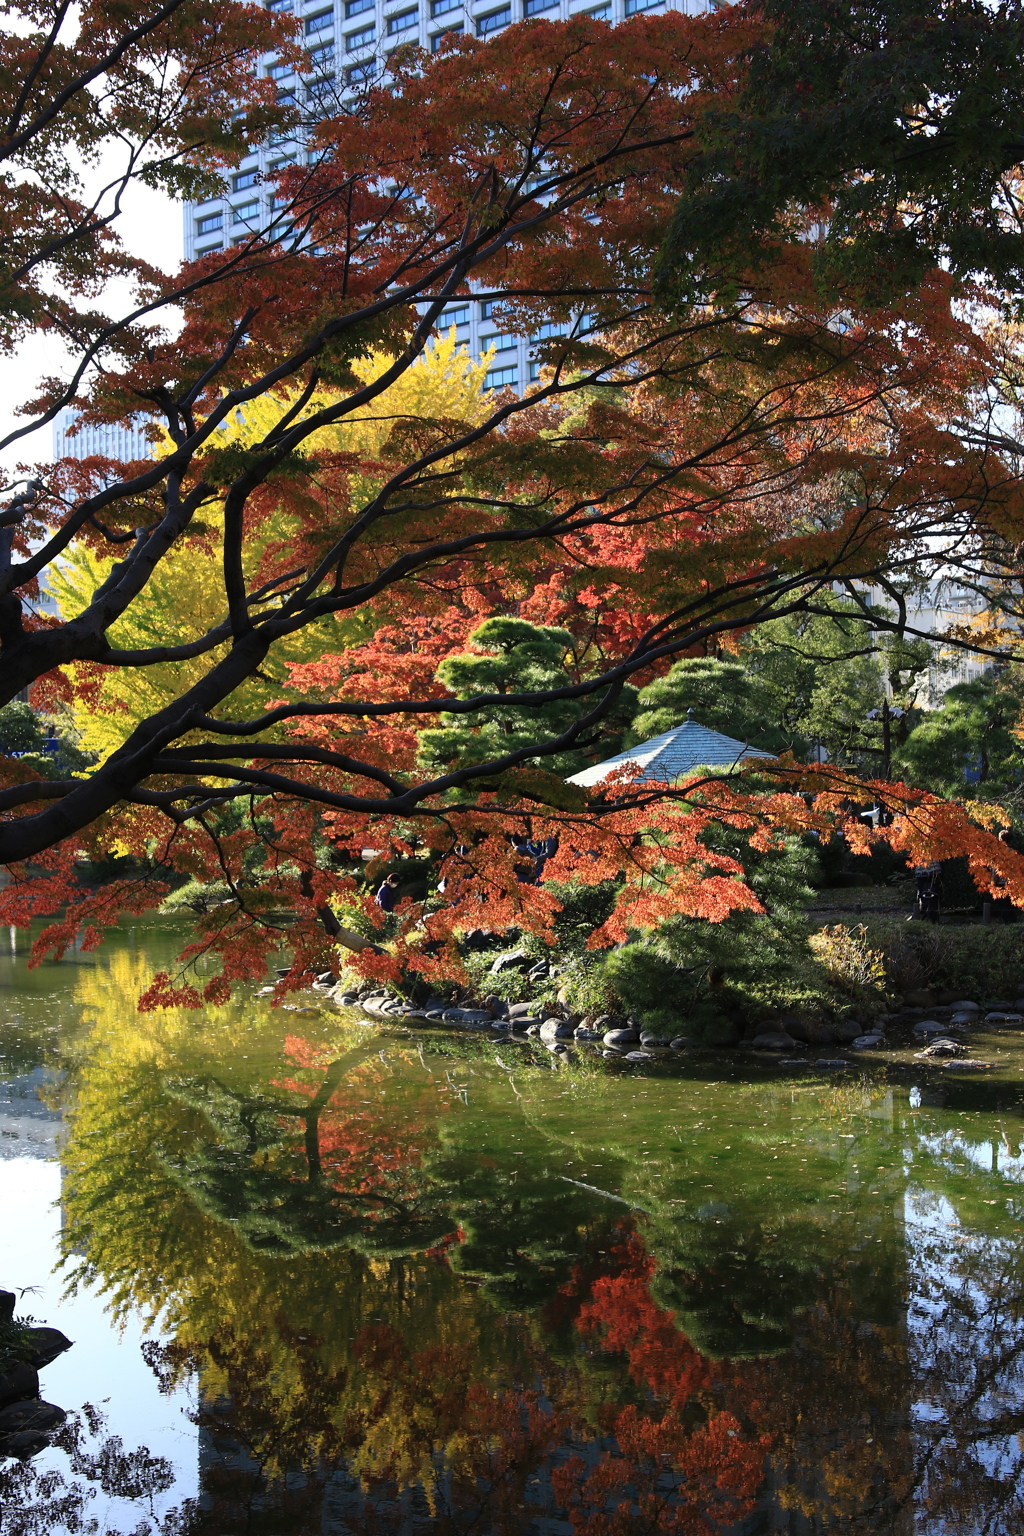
{"points": [[151, 227]]}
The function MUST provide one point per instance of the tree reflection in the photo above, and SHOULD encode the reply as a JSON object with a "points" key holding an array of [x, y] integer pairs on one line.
{"points": [[403, 1315]]}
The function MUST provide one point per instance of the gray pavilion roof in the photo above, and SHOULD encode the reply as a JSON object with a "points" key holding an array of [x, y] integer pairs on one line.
{"points": [[674, 753]]}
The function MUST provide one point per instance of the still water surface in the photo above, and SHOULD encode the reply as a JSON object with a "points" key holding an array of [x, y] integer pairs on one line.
{"points": [[324, 1278]]}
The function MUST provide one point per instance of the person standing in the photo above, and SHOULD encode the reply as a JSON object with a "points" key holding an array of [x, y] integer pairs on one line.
{"points": [[387, 893]]}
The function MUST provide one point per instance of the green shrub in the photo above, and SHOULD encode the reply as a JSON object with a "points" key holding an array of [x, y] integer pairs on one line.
{"points": [[586, 985], [648, 987], [856, 968], [971, 961]]}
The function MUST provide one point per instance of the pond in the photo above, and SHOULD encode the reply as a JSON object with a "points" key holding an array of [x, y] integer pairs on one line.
{"points": [[324, 1277]]}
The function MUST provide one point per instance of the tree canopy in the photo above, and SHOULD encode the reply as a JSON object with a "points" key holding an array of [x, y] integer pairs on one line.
{"points": [[335, 505]]}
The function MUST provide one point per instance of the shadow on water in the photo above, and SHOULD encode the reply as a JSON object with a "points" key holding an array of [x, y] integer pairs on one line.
{"points": [[421, 1284]]}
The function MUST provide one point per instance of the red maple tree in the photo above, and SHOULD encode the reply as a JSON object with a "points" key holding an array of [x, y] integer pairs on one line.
{"points": [[676, 474]]}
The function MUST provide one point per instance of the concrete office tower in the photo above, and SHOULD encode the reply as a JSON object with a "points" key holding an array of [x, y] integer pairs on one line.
{"points": [[107, 441], [349, 43]]}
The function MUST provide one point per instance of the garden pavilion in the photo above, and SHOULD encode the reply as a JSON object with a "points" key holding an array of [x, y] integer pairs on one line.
{"points": [[673, 754]]}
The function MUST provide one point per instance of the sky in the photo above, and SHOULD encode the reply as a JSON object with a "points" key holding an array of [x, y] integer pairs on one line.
{"points": [[150, 227]]}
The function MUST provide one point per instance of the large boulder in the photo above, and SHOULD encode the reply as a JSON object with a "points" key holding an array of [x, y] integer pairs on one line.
{"points": [[921, 997], [17, 1382], [930, 1027], [556, 1029], [810, 1031], [607, 1021], [625, 1036], [846, 1030], [513, 960], [36, 1415], [773, 1040], [43, 1345]]}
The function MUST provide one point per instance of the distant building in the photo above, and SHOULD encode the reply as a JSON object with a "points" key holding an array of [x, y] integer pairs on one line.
{"points": [[934, 611], [107, 441], [349, 45]]}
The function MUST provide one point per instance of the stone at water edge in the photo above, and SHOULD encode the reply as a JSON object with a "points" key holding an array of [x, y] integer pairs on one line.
{"points": [[810, 1031], [681, 1043], [774, 1040], [556, 1029], [18, 1381], [584, 1032], [943, 1047], [43, 1345], [33, 1415], [962, 1020], [622, 1037], [965, 1005], [845, 1030], [606, 1021], [1004, 1018], [639, 1056], [929, 1027], [869, 1043], [24, 1445]]}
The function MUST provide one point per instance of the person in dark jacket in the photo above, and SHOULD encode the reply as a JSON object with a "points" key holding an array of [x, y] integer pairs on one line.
{"points": [[387, 893]]}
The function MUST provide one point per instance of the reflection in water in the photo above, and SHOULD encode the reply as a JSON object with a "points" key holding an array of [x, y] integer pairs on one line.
{"points": [[429, 1285]]}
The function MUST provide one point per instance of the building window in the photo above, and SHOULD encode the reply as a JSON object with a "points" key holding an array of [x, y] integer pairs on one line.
{"points": [[279, 5], [357, 7], [487, 308], [632, 6], [208, 223], [403, 21], [548, 329], [499, 342], [442, 7], [534, 371], [359, 72], [501, 378], [534, 7], [243, 180], [599, 13], [320, 22], [439, 37], [278, 71], [245, 213], [493, 21], [206, 250], [360, 39], [454, 317]]}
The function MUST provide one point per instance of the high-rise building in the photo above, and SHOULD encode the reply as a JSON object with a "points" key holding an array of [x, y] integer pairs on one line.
{"points": [[349, 42], [107, 440]]}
